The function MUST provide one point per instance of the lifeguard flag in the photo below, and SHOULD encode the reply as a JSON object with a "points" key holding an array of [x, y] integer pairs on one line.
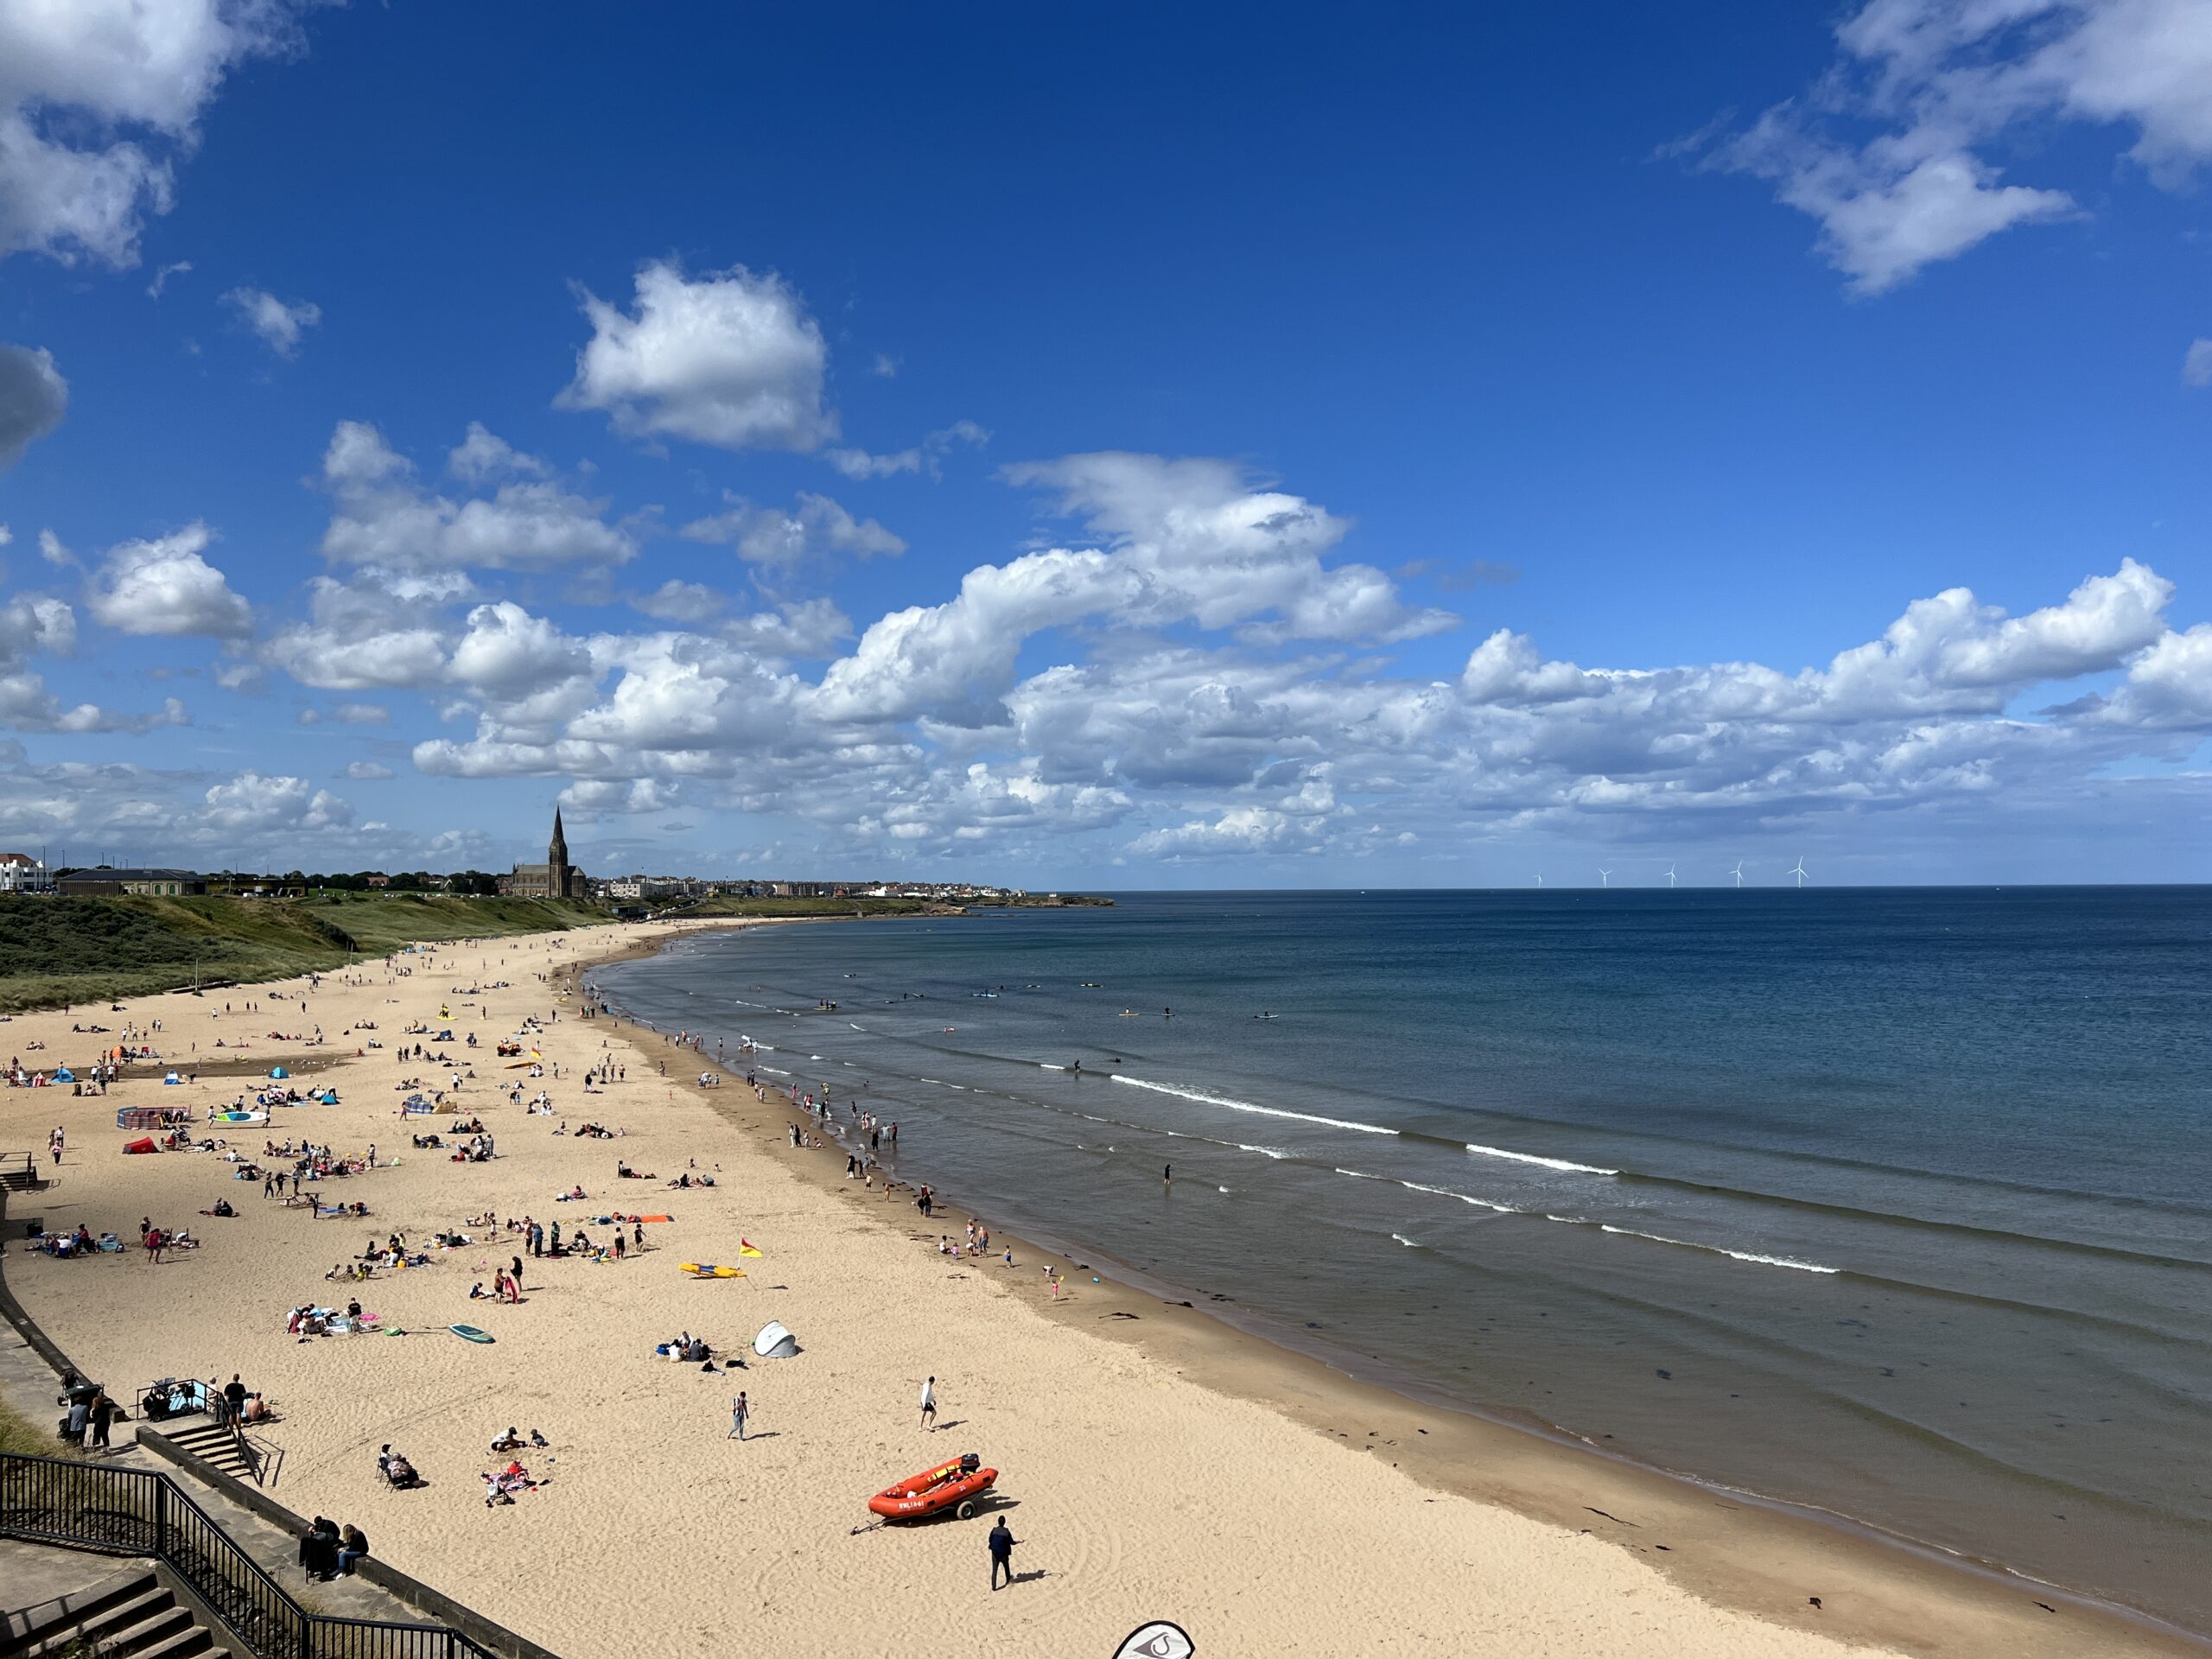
{"points": [[745, 1249]]}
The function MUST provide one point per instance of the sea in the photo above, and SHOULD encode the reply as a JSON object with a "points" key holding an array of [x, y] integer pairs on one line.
{"points": [[1891, 1203]]}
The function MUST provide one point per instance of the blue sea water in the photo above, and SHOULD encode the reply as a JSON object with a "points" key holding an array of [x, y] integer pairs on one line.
{"points": [[1894, 1203]]}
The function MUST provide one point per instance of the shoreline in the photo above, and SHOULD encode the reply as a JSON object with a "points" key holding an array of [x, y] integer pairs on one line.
{"points": [[1145, 1474], [1311, 1381]]}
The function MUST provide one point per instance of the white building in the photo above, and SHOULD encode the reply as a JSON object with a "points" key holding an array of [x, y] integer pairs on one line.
{"points": [[21, 872]]}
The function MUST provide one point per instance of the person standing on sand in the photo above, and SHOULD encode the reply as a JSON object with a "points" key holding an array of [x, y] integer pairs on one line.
{"points": [[737, 1412], [929, 1403], [1002, 1543]]}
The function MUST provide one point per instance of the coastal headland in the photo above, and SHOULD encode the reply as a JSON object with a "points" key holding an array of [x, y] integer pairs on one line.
{"points": [[1154, 1463]]}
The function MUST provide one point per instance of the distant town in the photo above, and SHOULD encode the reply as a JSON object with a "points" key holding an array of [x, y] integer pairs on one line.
{"points": [[21, 874]]}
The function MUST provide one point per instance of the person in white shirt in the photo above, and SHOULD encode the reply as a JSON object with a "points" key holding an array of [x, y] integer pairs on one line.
{"points": [[929, 1403]]}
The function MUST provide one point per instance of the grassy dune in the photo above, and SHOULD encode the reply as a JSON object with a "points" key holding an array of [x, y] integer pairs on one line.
{"points": [[58, 952]]}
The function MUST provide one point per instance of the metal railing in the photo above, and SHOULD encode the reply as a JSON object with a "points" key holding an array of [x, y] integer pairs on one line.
{"points": [[143, 1512], [161, 1404]]}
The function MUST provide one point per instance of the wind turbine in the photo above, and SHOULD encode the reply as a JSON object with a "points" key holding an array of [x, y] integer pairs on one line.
{"points": [[1738, 874], [1670, 878], [1799, 871], [1604, 878]]}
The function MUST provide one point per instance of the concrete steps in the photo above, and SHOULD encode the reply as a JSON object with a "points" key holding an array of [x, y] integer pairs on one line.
{"points": [[131, 1615], [212, 1442]]}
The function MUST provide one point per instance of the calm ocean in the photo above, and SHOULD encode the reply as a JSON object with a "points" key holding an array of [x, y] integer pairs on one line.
{"points": [[1894, 1203]]}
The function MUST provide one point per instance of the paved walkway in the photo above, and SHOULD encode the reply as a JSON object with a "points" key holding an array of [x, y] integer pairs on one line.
{"points": [[33, 1574]]}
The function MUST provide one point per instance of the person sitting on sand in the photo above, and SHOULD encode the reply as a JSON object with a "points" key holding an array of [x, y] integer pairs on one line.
{"points": [[509, 1441], [537, 1439]]}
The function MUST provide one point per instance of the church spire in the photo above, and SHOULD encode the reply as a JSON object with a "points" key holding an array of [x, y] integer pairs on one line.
{"points": [[557, 852]]}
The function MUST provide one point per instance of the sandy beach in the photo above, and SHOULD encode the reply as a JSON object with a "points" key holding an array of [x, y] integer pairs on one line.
{"points": [[1154, 1463]]}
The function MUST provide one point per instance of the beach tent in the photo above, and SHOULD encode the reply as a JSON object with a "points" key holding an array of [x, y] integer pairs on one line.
{"points": [[279, 1071], [145, 1143], [328, 1096], [775, 1341], [172, 1078], [65, 1075]]}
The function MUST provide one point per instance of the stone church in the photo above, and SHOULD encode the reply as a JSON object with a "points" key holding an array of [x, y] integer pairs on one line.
{"points": [[555, 879]]}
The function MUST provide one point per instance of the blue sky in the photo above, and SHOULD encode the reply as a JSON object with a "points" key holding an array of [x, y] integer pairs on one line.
{"points": [[1168, 446]]}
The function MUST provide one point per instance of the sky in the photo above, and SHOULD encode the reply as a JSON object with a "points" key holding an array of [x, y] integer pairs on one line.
{"points": [[1128, 448]]}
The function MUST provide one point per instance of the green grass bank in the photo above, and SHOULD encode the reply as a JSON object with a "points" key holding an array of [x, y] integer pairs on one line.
{"points": [[54, 952]]}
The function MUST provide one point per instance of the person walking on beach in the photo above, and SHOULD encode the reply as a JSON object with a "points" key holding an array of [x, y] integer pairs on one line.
{"points": [[1002, 1543], [737, 1411], [929, 1403]]}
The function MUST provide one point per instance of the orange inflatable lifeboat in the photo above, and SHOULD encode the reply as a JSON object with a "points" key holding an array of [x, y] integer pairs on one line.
{"points": [[950, 1486]]}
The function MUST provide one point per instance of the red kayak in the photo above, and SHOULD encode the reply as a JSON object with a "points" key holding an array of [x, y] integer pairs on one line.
{"points": [[950, 1486]]}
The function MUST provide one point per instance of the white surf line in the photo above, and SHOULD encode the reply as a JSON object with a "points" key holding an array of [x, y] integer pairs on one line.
{"points": [[1247, 1106], [1717, 1249], [1562, 1164]]}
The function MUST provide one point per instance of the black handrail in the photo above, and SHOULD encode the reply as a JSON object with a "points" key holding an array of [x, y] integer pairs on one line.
{"points": [[188, 1397], [144, 1512]]}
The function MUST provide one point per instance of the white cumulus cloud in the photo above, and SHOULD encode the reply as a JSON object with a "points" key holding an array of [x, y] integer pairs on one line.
{"points": [[1889, 151], [98, 99], [814, 527], [164, 587], [32, 399], [729, 359], [528, 522]]}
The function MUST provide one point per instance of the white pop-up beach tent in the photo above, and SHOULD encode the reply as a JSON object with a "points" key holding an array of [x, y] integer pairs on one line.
{"points": [[775, 1341]]}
